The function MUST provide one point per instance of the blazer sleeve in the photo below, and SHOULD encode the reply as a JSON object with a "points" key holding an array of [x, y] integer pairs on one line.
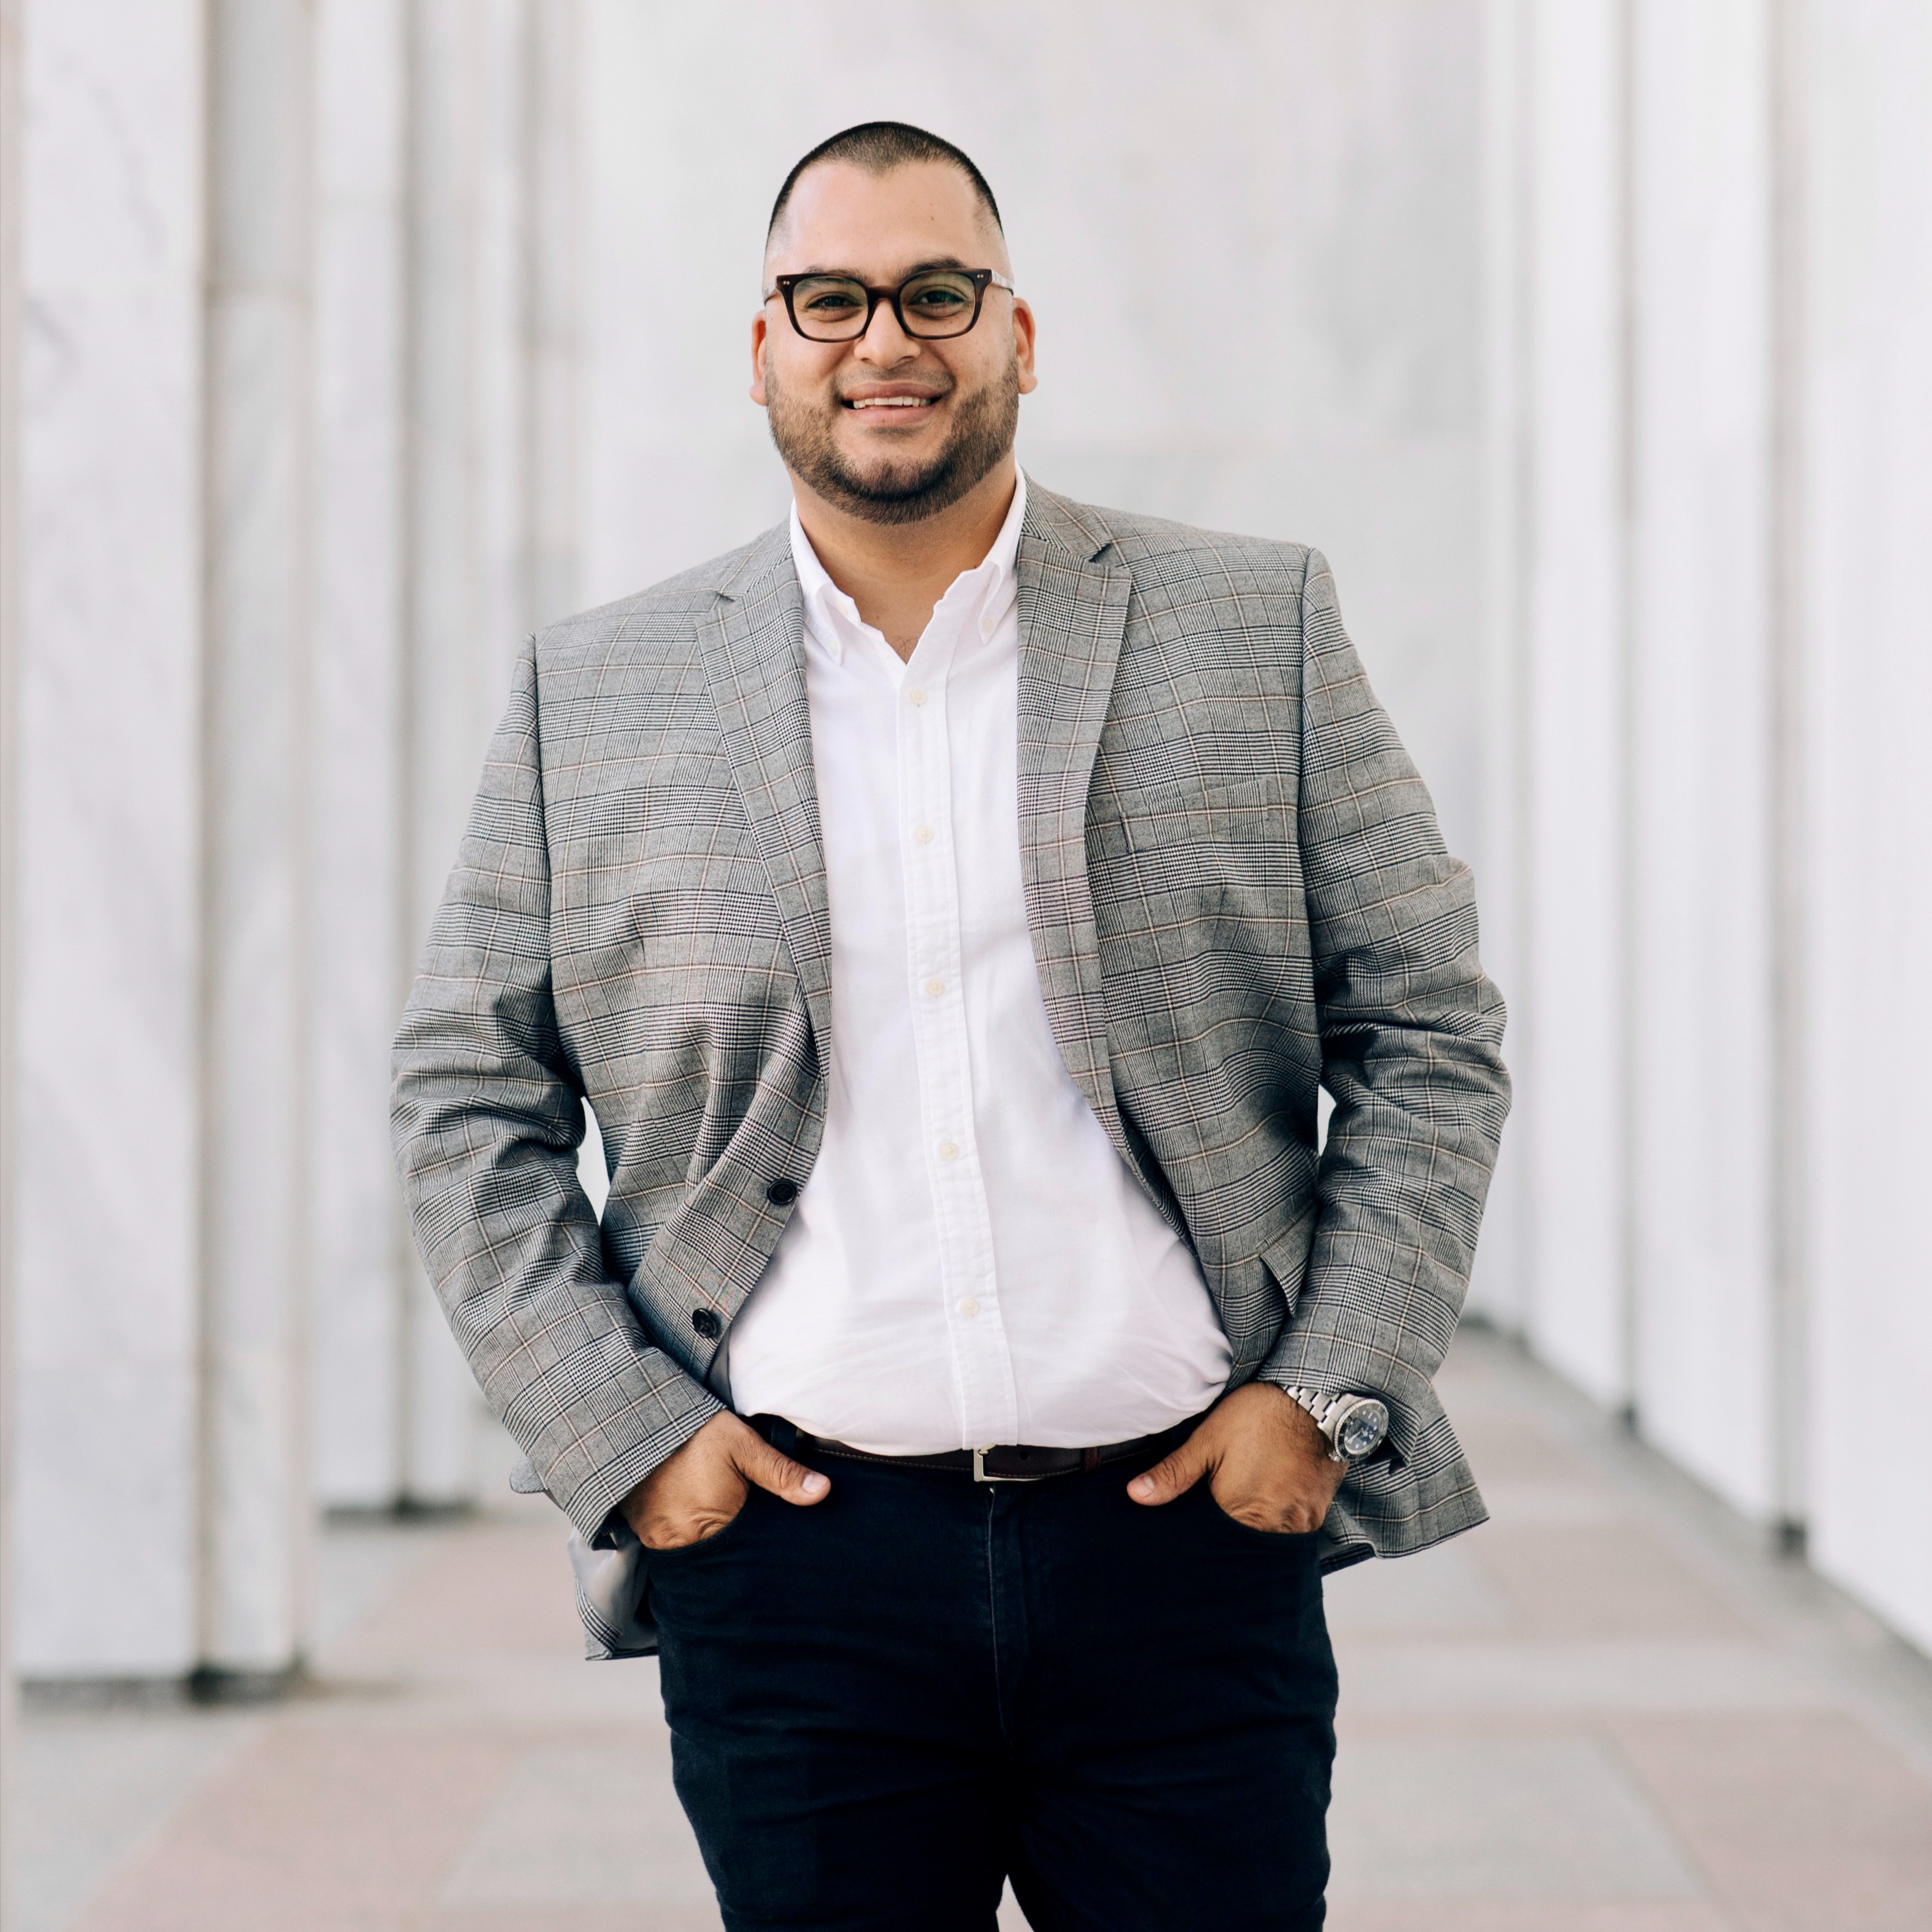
{"points": [[1411, 1033], [487, 1116]]}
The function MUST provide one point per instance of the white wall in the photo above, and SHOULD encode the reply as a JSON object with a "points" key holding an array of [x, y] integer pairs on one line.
{"points": [[1248, 233], [111, 527], [1868, 526]]}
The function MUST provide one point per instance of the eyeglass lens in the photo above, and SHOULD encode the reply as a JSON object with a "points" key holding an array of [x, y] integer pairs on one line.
{"points": [[836, 308]]}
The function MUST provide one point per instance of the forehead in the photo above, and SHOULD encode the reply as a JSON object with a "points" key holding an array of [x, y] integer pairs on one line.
{"points": [[842, 217]]}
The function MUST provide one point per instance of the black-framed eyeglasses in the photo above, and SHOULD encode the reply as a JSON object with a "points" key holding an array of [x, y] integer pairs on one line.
{"points": [[932, 306]]}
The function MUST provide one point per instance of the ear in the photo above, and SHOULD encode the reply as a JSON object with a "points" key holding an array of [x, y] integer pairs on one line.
{"points": [[758, 359], [1023, 346]]}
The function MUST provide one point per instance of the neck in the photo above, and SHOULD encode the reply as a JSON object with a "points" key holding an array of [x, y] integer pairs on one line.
{"points": [[895, 573]]}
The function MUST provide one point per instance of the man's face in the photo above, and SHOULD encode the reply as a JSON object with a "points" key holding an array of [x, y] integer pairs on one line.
{"points": [[891, 428]]}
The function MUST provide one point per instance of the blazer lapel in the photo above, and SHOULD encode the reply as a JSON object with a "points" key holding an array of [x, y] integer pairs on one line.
{"points": [[1072, 605], [754, 650]]}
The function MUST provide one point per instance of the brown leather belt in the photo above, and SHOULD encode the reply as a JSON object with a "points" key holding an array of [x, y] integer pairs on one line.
{"points": [[1004, 1462]]}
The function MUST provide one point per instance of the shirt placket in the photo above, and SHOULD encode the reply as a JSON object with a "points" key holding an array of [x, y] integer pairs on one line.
{"points": [[981, 1360]]}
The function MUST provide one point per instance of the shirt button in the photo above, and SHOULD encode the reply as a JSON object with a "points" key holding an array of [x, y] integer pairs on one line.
{"points": [[707, 1324], [916, 696], [949, 1150], [986, 623], [969, 1306], [923, 833], [935, 987]]}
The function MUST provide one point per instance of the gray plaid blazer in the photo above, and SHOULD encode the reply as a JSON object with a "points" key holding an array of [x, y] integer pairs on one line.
{"points": [[1238, 895]]}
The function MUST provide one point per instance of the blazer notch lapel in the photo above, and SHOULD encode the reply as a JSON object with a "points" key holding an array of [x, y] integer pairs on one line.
{"points": [[1073, 597], [753, 648]]}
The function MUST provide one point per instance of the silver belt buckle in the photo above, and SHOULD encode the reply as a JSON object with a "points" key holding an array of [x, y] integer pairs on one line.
{"points": [[979, 1475]]}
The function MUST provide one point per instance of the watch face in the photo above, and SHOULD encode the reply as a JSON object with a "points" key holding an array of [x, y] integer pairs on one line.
{"points": [[1362, 1429]]}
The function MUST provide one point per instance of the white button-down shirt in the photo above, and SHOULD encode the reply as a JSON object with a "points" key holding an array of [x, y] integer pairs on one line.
{"points": [[970, 1261]]}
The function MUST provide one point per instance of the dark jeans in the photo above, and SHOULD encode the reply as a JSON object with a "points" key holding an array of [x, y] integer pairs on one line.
{"points": [[883, 1705]]}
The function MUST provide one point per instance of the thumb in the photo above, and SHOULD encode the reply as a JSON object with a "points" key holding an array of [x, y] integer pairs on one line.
{"points": [[759, 1462], [1175, 1473]]}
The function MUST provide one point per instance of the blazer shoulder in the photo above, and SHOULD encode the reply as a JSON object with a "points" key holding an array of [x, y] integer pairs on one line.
{"points": [[648, 623], [1160, 552]]}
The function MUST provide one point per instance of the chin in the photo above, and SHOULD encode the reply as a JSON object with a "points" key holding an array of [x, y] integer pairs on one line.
{"points": [[894, 436], [892, 480], [884, 457]]}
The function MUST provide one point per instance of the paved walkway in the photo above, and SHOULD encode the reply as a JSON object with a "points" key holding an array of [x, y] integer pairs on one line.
{"points": [[1606, 1712]]}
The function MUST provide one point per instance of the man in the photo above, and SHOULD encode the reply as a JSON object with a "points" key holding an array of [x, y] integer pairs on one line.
{"points": [[951, 904]]}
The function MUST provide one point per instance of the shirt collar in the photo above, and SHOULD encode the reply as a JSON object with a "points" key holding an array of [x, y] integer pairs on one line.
{"points": [[828, 612]]}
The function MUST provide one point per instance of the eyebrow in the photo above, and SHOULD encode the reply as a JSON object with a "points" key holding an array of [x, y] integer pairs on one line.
{"points": [[917, 268]]}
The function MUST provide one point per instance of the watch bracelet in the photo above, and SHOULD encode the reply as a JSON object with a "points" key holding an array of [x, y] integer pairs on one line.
{"points": [[1321, 1408]]}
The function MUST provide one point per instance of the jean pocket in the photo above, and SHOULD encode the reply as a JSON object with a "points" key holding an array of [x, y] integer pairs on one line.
{"points": [[1303, 1540], [704, 1545]]}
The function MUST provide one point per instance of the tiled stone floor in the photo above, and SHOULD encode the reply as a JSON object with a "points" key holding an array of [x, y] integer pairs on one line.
{"points": [[1608, 1710]]}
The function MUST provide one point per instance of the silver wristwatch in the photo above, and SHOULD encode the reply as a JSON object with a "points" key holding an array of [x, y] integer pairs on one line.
{"points": [[1355, 1425]]}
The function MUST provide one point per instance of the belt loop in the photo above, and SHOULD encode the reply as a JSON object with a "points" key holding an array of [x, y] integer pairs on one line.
{"points": [[1091, 1458], [782, 1434]]}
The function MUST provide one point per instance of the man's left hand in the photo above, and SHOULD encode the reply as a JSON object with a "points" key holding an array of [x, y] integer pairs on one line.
{"points": [[1267, 1463]]}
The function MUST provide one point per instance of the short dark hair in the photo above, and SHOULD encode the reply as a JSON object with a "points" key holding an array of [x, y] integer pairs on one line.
{"points": [[880, 146]]}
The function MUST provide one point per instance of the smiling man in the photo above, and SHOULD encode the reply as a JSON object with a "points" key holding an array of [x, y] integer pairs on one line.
{"points": [[952, 904]]}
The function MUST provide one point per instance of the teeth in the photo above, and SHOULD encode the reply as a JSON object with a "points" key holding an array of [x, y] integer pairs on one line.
{"points": [[892, 403]]}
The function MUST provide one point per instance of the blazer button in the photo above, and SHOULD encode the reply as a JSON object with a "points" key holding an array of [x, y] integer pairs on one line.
{"points": [[782, 1193], [707, 1324]]}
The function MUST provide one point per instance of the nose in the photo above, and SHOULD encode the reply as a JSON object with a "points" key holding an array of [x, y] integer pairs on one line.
{"points": [[884, 341]]}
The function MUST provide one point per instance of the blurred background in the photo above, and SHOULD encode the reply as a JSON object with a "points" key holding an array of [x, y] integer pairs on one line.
{"points": [[345, 342]]}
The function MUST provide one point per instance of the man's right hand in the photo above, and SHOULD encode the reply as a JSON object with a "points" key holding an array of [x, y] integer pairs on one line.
{"points": [[697, 1491]]}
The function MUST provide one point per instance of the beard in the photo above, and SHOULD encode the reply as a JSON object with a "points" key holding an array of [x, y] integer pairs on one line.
{"points": [[984, 426]]}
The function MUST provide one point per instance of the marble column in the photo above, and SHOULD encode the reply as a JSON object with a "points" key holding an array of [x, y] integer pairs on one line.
{"points": [[256, 1505], [359, 1256], [504, 37], [11, 307], [1569, 1055], [1865, 715], [1500, 1287], [467, 603], [1729, 473], [552, 297], [107, 1233], [1700, 792]]}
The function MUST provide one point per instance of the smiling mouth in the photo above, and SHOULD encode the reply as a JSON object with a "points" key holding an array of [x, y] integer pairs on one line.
{"points": [[891, 402]]}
